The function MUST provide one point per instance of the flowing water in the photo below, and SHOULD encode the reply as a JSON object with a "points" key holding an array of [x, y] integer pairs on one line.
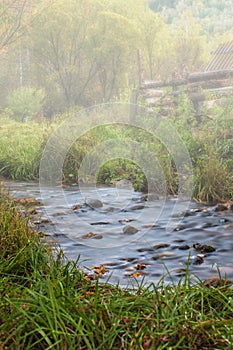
{"points": [[135, 239]]}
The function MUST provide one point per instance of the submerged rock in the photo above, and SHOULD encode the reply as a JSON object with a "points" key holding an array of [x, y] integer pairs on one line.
{"points": [[197, 260], [204, 248], [138, 207], [92, 235], [184, 247], [161, 245], [94, 203], [130, 230], [224, 206]]}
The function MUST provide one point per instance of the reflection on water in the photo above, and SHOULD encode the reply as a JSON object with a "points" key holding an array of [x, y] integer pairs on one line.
{"points": [[132, 236]]}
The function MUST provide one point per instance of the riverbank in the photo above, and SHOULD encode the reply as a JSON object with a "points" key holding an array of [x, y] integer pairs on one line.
{"points": [[209, 181], [48, 303]]}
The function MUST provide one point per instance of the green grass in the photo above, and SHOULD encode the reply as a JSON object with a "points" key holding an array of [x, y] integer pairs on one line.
{"points": [[209, 147], [21, 147], [46, 302]]}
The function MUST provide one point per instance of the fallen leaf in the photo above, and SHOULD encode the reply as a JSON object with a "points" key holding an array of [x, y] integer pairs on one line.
{"points": [[138, 274], [140, 266], [92, 235], [99, 270]]}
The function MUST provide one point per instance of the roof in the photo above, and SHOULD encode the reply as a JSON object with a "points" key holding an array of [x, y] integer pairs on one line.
{"points": [[222, 58]]}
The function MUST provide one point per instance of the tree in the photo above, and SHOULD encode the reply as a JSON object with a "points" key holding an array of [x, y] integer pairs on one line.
{"points": [[190, 49], [155, 43], [25, 102], [82, 48], [13, 14]]}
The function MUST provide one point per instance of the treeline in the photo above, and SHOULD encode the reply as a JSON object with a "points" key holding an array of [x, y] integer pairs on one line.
{"points": [[215, 16], [80, 53]]}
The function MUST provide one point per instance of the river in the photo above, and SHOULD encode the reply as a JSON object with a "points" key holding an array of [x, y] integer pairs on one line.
{"points": [[136, 240]]}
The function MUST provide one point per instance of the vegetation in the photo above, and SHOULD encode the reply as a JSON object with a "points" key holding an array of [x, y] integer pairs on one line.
{"points": [[80, 53], [57, 57], [214, 16], [208, 142], [48, 303]]}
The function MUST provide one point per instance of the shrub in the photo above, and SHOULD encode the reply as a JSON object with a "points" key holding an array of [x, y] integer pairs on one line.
{"points": [[25, 102]]}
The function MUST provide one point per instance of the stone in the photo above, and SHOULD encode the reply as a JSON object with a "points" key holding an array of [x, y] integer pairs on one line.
{"points": [[180, 271], [197, 260], [137, 207], [125, 220], [161, 245], [184, 247], [149, 197], [92, 235], [220, 207], [94, 203], [130, 230], [142, 250], [204, 248]]}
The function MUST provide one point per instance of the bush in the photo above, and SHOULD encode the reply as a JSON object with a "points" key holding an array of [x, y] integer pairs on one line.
{"points": [[25, 103]]}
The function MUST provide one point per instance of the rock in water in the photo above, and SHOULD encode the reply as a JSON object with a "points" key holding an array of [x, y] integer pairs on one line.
{"points": [[204, 248], [94, 203], [130, 230]]}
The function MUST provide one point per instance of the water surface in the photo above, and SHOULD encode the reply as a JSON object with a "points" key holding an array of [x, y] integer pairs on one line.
{"points": [[132, 237]]}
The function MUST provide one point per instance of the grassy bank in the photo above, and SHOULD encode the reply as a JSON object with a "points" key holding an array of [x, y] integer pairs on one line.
{"points": [[208, 142], [47, 303]]}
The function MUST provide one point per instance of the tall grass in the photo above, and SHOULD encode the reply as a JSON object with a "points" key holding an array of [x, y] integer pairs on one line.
{"points": [[48, 303], [213, 180], [22, 145]]}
